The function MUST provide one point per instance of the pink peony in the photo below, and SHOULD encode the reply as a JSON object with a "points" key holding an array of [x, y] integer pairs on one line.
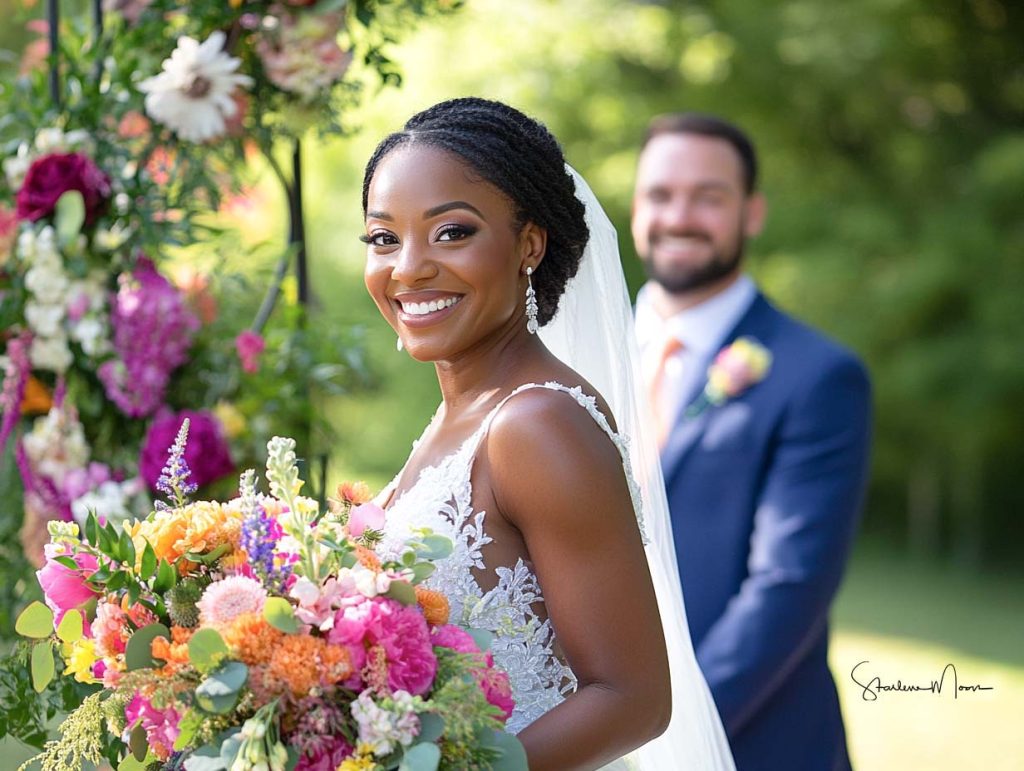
{"points": [[49, 177], [366, 515], [250, 345], [206, 452], [402, 634], [230, 597], [454, 638], [161, 725], [8, 232], [63, 588]]}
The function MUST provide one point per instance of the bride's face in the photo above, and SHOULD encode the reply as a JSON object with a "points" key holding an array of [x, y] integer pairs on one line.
{"points": [[444, 253]]}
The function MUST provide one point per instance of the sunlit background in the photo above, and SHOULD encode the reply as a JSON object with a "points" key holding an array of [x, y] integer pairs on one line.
{"points": [[891, 134]]}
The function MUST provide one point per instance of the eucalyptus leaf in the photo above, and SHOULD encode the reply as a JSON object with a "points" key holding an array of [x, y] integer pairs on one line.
{"points": [[226, 679], [431, 727], [482, 638], [513, 756], [435, 547], [71, 627], [280, 614], [35, 621], [42, 665], [424, 756], [402, 591], [138, 652], [206, 649], [421, 571], [205, 759]]}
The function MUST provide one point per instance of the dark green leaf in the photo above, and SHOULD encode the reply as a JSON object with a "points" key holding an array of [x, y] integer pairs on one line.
{"points": [[148, 566]]}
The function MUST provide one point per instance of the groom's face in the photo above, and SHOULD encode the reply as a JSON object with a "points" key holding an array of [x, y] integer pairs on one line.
{"points": [[691, 212]]}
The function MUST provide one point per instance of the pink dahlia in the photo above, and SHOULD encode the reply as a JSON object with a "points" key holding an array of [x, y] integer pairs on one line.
{"points": [[400, 631], [110, 628], [228, 598], [250, 345]]}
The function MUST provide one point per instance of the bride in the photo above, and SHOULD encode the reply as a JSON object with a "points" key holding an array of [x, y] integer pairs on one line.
{"points": [[474, 230]]}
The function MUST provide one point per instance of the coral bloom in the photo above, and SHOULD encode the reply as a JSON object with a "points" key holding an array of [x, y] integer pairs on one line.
{"points": [[434, 606], [354, 493], [251, 638]]}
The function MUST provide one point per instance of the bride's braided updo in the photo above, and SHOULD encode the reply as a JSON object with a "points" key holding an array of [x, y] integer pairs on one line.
{"points": [[521, 158]]}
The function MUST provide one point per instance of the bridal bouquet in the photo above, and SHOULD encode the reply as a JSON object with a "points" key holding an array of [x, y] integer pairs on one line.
{"points": [[261, 633]]}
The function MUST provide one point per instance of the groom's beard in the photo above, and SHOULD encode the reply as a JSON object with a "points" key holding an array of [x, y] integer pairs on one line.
{"points": [[678, 279]]}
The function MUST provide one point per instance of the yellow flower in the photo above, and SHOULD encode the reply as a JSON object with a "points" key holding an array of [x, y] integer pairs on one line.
{"points": [[361, 761], [743, 364], [231, 419], [80, 658]]}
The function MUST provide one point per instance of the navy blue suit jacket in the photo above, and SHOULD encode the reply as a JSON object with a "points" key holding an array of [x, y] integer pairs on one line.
{"points": [[765, 492]]}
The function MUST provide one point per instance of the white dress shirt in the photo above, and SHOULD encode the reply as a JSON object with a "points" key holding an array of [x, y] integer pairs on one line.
{"points": [[701, 329]]}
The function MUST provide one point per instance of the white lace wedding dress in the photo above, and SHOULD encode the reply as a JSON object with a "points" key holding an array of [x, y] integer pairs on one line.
{"points": [[524, 643]]}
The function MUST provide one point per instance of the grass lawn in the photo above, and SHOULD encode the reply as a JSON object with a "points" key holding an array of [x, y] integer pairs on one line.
{"points": [[908, 621]]}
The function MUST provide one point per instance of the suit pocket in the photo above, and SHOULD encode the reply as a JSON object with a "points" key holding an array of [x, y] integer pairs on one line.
{"points": [[729, 429]]}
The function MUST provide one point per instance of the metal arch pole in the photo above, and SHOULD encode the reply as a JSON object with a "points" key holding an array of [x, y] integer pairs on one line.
{"points": [[53, 22]]}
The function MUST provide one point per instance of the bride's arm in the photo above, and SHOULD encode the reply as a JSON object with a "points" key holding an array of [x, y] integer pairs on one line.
{"points": [[558, 478]]}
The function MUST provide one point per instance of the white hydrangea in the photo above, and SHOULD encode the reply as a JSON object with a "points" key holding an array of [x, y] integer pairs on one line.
{"points": [[112, 501], [51, 353], [382, 728]]}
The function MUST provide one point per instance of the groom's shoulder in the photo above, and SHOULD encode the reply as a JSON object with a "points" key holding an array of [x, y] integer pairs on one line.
{"points": [[808, 354]]}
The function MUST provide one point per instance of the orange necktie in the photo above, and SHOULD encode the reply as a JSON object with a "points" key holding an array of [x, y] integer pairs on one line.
{"points": [[663, 414]]}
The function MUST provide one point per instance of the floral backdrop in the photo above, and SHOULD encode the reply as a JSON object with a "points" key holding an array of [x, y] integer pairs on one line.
{"points": [[126, 302]]}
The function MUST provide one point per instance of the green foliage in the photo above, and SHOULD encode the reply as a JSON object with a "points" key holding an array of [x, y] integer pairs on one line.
{"points": [[893, 165]]}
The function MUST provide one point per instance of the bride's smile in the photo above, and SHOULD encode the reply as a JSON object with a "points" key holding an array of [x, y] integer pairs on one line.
{"points": [[445, 254]]}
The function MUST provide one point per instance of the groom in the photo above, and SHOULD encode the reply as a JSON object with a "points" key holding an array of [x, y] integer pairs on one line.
{"points": [[765, 483]]}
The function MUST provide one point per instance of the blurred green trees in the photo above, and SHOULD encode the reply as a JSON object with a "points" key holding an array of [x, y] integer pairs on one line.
{"points": [[892, 139]]}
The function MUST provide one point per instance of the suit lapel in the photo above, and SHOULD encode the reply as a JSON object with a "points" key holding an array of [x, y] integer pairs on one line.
{"points": [[687, 431]]}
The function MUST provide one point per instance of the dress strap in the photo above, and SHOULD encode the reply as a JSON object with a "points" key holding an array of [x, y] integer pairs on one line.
{"points": [[589, 403]]}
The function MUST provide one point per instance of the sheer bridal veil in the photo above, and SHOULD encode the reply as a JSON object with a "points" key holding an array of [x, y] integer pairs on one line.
{"points": [[593, 333]]}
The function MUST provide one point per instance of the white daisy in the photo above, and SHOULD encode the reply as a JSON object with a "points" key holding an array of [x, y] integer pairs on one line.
{"points": [[192, 95]]}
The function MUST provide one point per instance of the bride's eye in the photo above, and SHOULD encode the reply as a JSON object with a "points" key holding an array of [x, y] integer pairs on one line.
{"points": [[379, 238], [454, 232]]}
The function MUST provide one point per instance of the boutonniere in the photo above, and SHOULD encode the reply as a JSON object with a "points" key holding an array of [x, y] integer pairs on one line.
{"points": [[736, 368]]}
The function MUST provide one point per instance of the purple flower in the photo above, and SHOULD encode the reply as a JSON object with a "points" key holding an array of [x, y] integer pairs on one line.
{"points": [[205, 455], [153, 331], [260, 534]]}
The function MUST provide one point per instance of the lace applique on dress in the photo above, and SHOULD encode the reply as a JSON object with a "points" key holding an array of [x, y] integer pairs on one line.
{"points": [[523, 645]]}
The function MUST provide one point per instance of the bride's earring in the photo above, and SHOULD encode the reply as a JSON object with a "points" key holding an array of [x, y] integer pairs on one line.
{"points": [[531, 304], [398, 344]]}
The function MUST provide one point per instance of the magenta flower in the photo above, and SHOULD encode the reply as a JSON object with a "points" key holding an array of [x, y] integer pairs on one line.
{"points": [[402, 634], [49, 177], [206, 453], [250, 345], [367, 515], [65, 589], [161, 725], [153, 331]]}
